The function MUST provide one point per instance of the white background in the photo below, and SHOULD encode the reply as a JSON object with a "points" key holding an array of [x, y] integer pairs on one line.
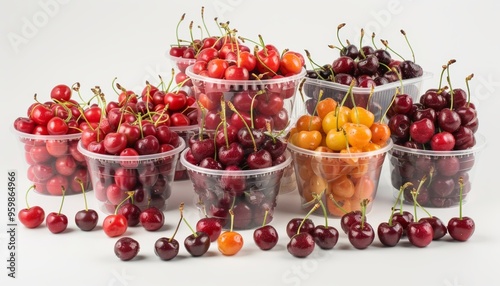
{"points": [[47, 42]]}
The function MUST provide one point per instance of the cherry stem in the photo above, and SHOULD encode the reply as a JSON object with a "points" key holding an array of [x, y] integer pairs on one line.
{"points": [[386, 44], [202, 125], [231, 106], [223, 119], [261, 91], [177, 29], [80, 182], [231, 213], [361, 43], [330, 196], [265, 217], [418, 192], [400, 196], [461, 185], [415, 204], [190, 227], [373, 41], [130, 194], [63, 190], [343, 102], [181, 208], [320, 95], [313, 209], [26, 196], [409, 45], [314, 65], [363, 204], [467, 79], [338, 36], [203, 20], [323, 208], [449, 82]]}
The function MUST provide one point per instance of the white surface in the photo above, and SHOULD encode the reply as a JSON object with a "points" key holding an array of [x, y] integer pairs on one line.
{"points": [[94, 41]]}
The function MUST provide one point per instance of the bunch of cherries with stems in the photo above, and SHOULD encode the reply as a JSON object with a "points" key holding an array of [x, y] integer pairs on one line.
{"points": [[52, 131], [57, 222]]}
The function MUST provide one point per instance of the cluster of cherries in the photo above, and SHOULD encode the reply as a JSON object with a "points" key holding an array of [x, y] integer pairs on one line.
{"points": [[233, 151], [57, 222], [367, 65], [442, 120], [128, 129], [51, 153]]}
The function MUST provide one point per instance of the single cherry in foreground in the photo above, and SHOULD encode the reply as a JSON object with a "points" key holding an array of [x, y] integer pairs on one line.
{"points": [[230, 242], [462, 227], [168, 248], [361, 234], [266, 236], [211, 226], [197, 243], [420, 233], [152, 218], [85, 219], [126, 248], [325, 236], [31, 217], [116, 224], [302, 243], [57, 222]]}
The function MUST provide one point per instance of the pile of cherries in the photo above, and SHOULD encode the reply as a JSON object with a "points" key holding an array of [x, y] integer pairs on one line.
{"points": [[368, 66], [128, 129], [232, 151], [52, 131], [442, 120]]}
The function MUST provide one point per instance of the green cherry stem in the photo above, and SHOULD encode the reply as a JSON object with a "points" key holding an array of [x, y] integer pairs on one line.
{"points": [[80, 182], [313, 209], [26, 195], [63, 190]]}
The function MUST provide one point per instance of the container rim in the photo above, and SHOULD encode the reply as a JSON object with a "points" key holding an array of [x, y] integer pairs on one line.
{"points": [[341, 87], [179, 59], [480, 144], [224, 82], [242, 173], [337, 155], [22, 135], [193, 127], [112, 158]]}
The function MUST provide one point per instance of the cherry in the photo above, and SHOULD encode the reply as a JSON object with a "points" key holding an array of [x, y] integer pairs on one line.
{"points": [[442, 141], [152, 218], [461, 228], [266, 236], [211, 226], [349, 218], [448, 120], [325, 236], [421, 131], [57, 222], [85, 219], [126, 248], [168, 248], [230, 242], [61, 93], [131, 212], [302, 242], [404, 218], [420, 232], [292, 227], [31, 217], [197, 243], [361, 234], [116, 224]]}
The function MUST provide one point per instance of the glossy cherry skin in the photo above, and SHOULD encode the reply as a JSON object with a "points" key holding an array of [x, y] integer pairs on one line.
{"points": [[211, 226], [31, 217], [114, 225], [152, 218], [461, 229], [126, 248], [197, 244], [131, 212], [438, 227], [293, 226], [389, 234], [349, 219], [56, 222], [86, 220], [166, 248], [420, 234], [361, 235], [301, 244], [266, 237], [326, 237]]}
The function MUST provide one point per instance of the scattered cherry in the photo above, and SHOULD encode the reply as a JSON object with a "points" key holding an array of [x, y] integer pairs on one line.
{"points": [[57, 222], [86, 219], [302, 243], [126, 248], [168, 248], [31, 217], [266, 236], [462, 227], [361, 234], [230, 242]]}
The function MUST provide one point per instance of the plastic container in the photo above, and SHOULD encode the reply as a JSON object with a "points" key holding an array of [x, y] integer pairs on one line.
{"points": [[442, 170], [273, 100], [185, 132], [377, 103], [54, 162], [257, 192], [341, 180], [148, 176], [180, 63]]}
